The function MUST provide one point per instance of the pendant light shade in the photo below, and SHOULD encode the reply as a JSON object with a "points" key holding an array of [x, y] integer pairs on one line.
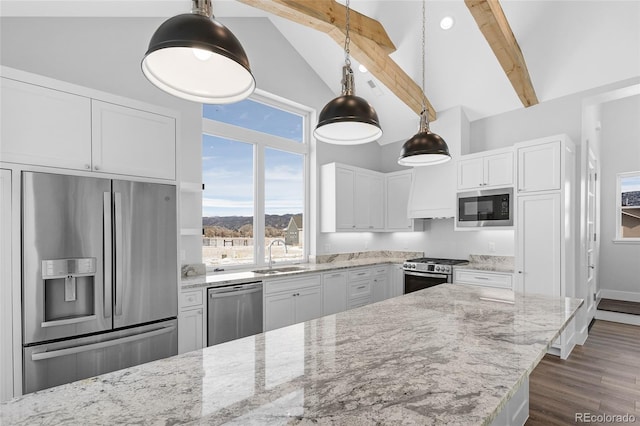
{"points": [[348, 119], [424, 148], [194, 57]]}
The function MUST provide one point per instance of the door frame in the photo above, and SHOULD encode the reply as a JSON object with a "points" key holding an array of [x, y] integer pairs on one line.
{"points": [[590, 151]]}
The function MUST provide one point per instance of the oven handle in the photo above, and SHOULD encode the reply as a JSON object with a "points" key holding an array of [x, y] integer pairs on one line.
{"points": [[426, 274]]}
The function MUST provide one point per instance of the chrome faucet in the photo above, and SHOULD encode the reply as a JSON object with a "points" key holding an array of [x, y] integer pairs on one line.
{"points": [[275, 241]]}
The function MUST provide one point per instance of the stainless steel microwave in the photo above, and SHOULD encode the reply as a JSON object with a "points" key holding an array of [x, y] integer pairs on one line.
{"points": [[487, 207]]}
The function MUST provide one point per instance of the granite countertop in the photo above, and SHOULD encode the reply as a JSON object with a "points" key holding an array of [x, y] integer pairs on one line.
{"points": [[490, 263], [227, 278], [450, 354]]}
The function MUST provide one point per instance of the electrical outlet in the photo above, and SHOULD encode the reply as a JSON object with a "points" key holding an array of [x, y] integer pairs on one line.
{"points": [[492, 247], [183, 255]]}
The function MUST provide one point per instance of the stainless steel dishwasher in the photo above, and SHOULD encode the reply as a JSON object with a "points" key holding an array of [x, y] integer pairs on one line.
{"points": [[233, 312]]}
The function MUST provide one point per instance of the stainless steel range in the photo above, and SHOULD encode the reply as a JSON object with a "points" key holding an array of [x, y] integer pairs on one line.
{"points": [[427, 272]]}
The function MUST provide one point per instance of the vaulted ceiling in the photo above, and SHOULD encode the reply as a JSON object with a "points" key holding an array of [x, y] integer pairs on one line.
{"points": [[568, 46]]}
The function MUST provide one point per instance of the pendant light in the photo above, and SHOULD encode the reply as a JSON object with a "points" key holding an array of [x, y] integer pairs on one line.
{"points": [[424, 148], [348, 119], [194, 57]]}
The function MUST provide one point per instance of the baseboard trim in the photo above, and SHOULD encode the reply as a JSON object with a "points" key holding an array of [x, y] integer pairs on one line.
{"points": [[618, 317], [629, 296]]}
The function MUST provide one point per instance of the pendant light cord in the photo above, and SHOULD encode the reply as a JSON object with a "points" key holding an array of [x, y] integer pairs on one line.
{"points": [[424, 114], [347, 39]]}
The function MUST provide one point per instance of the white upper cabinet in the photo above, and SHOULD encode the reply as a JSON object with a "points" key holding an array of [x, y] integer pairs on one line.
{"points": [[369, 201], [351, 199], [50, 123], [485, 170], [44, 127], [539, 166], [129, 141]]}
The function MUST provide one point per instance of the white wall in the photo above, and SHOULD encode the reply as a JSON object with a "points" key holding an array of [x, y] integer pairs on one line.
{"points": [[562, 115], [105, 54], [620, 152]]}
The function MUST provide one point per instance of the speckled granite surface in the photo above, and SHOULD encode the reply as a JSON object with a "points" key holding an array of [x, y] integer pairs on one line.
{"points": [[479, 262], [450, 355], [323, 263]]}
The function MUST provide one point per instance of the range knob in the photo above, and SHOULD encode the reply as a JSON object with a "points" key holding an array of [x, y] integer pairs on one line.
{"points": [[438, 268]]}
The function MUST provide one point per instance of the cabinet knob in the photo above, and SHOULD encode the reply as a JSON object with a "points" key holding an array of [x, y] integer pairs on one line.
{"points": [[200, 311], [97, 167], [87, 166], [592, 267], [519, 272]]}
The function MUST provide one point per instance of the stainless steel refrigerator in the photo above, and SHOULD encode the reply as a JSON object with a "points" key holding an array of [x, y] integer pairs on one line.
{"points": [[99, 278]]}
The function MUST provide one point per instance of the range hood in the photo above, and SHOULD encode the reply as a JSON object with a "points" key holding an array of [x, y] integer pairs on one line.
{"points": [[433, 188]]}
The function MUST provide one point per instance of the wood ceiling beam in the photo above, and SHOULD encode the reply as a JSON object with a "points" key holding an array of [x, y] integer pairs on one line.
{"points": [[496, 29], [370, 45]]}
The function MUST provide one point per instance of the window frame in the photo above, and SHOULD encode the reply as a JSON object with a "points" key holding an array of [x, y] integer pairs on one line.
{"points": [[260, 142], [618, 235]]}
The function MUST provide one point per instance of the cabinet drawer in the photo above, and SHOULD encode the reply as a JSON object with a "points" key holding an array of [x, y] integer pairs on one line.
{"points": [[359, 289], [483, 278], [380, 270], [356, 303], [291, 284], [191, 298], [359, 274]]}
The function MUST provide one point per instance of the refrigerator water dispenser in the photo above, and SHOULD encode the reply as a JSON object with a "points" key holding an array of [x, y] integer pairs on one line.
{"points": [[69, 290]]}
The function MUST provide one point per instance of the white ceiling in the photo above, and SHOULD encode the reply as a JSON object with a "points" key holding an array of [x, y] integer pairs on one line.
{"points": [[569, 46]]}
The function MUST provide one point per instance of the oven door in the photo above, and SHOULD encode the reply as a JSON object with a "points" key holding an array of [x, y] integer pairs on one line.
{"points": [[414, 281]]}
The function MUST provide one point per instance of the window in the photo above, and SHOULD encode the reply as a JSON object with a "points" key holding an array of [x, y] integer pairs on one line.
{"points": [[628, 215], [254, 167]]}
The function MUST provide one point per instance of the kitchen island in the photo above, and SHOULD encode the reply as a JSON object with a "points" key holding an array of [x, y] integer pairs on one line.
{"points": [[450, 354]]}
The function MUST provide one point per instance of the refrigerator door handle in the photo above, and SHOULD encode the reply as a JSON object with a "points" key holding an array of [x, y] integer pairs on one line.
{"points": [[118, 253], [100, 345], [108, 254]]}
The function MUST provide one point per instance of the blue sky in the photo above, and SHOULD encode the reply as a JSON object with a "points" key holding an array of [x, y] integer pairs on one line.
{"points": [[227, 166], [630, 184]]}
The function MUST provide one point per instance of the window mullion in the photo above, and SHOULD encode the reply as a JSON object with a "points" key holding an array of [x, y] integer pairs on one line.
{"points": [[259, 205]]}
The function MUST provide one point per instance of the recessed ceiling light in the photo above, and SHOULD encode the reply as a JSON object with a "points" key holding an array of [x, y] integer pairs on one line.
{"points": [[446, 23], [362, 68]]}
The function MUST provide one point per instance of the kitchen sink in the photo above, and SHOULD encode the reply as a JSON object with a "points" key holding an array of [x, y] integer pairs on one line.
{"points": [[280, 270]]}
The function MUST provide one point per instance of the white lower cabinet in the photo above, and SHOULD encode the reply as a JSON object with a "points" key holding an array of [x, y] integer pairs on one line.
{"points": [[381, 284], [334, 292], [397, 281], [292, 300], [192, 321], [483, 278]]}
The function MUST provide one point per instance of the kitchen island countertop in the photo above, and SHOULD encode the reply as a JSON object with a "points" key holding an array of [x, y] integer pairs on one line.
{"points": [[451, 354]]}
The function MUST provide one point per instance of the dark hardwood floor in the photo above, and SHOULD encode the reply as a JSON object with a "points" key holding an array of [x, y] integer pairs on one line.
{"points": [[621, 306], [600, 377]]}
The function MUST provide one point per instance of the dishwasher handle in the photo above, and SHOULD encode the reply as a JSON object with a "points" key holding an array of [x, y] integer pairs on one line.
{"points": [[235, 290]]}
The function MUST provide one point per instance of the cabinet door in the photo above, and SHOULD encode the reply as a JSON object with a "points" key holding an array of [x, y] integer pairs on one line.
{"points": [[44, 127], [498, 169], [397, 281], [539, 167], [538, 256], [345, 188], [279, 310], [470, 173], [308, 304], [397, 195], [380, 283], [132, 142], [376, 202], [334, 293], [190, 330], [362, 200]]}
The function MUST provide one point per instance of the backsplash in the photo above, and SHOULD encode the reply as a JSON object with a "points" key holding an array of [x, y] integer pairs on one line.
{"points": [[193, 269], [384, 254], [497, 261]]}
